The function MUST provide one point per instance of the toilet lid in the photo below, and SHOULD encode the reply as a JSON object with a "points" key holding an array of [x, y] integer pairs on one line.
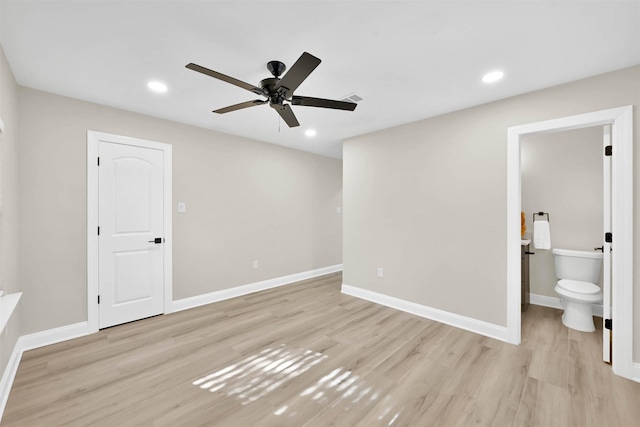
{"points": [[579, 287]]}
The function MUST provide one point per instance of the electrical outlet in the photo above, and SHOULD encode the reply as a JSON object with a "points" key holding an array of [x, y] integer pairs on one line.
{"points": [[256, 264], [182, 207], [380, 272]]}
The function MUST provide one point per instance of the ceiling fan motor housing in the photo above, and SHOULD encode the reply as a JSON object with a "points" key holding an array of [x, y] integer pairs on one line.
{"points": [[276, 98], [269, 84]]}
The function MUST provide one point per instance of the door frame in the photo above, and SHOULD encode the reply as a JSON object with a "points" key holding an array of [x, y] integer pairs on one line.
{"points": [[606, 246], [93, 140], [621, 121]]}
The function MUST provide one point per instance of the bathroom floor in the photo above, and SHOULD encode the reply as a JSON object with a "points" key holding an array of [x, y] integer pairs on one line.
{"points": [[567, 376]]}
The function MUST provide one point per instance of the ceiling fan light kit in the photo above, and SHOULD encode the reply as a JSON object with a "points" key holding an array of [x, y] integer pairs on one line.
{"points": [[279, 91]]}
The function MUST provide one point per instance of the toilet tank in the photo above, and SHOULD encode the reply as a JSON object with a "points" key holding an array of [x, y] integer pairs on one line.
{"points": [[577, 265]]}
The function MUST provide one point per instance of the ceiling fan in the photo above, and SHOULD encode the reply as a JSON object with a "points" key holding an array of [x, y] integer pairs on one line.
{"points": [[278, 90]]}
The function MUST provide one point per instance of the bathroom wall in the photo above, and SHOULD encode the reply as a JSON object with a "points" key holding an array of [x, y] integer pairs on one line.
{"points": [[562, 175]]}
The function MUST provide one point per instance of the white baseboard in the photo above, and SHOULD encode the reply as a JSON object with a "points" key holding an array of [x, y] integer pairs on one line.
{"points": [[197, 301], [8, 376], [53, 336], [29, 342], [554, 302], [473, 325], [636, 372], [545, 301]]}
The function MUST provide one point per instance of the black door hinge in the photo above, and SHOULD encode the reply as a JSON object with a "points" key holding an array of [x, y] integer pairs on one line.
{"points": [[98, 230], [98, 161], [98, 299], [608, 237], [608, 324], [608, 150]]}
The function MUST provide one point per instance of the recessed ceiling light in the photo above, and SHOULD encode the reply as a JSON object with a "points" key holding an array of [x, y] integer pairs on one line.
{"points": [[157, 86], [310, 132], [493, 76]]}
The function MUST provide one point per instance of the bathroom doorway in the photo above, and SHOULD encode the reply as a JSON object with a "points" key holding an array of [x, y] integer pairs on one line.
{"points": [[621, 125], [563, 175]]}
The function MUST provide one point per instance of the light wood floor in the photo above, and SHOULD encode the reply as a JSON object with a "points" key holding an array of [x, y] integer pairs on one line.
{"points": [[306, 355]]}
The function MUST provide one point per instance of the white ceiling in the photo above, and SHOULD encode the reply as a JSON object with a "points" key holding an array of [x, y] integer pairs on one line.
{"points": [[407, 60]]}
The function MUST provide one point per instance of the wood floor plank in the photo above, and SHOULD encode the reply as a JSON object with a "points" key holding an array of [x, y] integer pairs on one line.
{"points": [[307, 355]]}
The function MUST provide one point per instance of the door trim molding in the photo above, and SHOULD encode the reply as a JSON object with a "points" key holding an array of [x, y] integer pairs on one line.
{"points": [[93, 138], [621, 121]]}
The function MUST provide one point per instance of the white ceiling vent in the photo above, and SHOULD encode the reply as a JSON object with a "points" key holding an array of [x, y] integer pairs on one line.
{"points": [[352, 98]]}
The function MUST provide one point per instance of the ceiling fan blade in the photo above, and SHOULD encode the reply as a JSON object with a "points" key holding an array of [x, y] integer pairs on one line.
{"points": [[287, 115], [240, 106], [225, 78], [297, 73], [324, 103]]}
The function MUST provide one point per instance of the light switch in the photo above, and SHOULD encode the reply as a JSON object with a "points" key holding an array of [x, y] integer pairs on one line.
{"points": [[182, 207], [338, 210]]}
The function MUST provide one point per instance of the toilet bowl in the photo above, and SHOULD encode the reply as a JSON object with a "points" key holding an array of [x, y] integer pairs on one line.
{"points": [[578, 273]]}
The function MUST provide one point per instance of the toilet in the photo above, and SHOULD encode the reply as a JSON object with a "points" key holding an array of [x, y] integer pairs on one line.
{"points": [[578, 273]]}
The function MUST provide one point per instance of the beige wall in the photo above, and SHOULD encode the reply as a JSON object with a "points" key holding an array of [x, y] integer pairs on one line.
{"points": [[427, 200], [562, 175], [8, 203], [246, 200]]}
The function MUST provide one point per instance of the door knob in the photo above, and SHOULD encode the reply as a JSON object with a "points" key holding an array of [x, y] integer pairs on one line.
{"points": [[157, 240], [601, 248]]}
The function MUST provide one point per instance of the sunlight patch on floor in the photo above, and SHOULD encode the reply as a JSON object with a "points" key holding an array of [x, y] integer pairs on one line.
{"points": [[260, 373], [340, 387]]}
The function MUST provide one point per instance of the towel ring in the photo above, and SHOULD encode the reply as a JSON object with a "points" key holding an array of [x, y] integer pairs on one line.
{"points": [[541, 214]]}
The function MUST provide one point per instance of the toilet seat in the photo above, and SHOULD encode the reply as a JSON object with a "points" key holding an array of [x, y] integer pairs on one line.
{"points": [[579, 287], [579, 297]]}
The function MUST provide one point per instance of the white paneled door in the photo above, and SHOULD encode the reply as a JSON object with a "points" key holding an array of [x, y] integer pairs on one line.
{"points": [[131, 234]]}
